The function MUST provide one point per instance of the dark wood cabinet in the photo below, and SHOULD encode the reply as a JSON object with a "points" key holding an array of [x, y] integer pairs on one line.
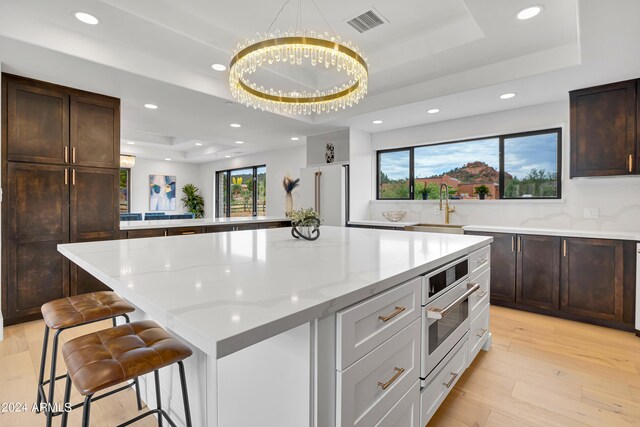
{"points": [[603, 130], [538, 271], [503, 266], [593, 278], [37, 123], [183, 231], [95, 131], [35, 221], [60, 177]]}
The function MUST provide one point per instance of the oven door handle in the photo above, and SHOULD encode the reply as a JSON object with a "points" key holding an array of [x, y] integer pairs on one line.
{"points": [[439, 313]]}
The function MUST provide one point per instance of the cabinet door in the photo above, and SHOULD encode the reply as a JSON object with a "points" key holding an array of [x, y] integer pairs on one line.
{"points": [[37, 123], [151, 232], [181, 231], [95, 131], [592, 278], [603, 130], [538, 280], [94, 204], [37, 220], [503, 266], [83, 282]]}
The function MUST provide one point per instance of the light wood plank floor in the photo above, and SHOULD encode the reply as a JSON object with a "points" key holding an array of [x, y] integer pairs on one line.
{"points": [[541, 371]]}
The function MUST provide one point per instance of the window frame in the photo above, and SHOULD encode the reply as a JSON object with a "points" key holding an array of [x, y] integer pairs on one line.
{"points": [[254, 196], [500, 138], [128, 172]]}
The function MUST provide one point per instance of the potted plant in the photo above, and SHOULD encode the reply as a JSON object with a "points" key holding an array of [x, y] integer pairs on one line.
{"points": [[305, 223], [289, 185], [192, 201], [481, 191], [425, 193]]}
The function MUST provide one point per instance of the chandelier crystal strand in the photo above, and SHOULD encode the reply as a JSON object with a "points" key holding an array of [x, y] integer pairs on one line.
{"points": [[297, 49]]}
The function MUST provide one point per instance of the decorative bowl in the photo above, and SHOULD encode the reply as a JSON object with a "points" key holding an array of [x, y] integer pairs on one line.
{"points": [[394, 216]]}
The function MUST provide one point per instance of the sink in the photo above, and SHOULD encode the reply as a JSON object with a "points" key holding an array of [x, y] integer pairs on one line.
{"points": [[437, 228]]}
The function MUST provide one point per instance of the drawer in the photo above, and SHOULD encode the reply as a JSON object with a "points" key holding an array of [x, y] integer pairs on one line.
{"points": [[443, 380], [480, 298], [406, 413], [366, 325], [478, 333], [479, 259], [369, 388], [183, 231]]}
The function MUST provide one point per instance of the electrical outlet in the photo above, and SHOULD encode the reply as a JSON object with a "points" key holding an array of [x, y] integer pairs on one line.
{"points": [[591, 213]]}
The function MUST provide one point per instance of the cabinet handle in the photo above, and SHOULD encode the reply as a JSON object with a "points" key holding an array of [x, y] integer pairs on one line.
{"points": [[482, 294], [66, 176], [519, 244], [481, 261], [484, 331], [73, 177], [73, 155], [384, 386], [454, 375], [66, 154], [564, 248], [166, 233], [188, 232], [439, 313], [388, 317], [513, 243]]}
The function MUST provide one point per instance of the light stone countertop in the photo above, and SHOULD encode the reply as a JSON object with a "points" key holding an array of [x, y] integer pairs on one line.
{"points": [[383, 223], [202, 222], [223, 292], [595, 234]]}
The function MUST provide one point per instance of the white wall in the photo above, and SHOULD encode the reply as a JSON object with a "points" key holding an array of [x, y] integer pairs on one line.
{"points": [[360, 174], [185, 173], [279, 163], [617, 198]]}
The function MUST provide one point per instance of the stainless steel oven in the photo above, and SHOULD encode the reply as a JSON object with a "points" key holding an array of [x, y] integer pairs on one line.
{"points": [[445, 311]]}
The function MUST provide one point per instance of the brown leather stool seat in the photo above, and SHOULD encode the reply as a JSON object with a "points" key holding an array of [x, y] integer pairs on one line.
{"points": [[85, 308], [106, 358]]}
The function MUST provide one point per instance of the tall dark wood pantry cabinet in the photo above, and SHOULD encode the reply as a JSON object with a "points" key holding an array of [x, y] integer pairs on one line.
{"points": [[60, 178]]}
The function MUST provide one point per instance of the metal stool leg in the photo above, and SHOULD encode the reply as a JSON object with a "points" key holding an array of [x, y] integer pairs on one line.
{"points": [[138, 399], [43, 361], [52, 382], [67, 396], [185, 395], [86, 410], [156, 375]]}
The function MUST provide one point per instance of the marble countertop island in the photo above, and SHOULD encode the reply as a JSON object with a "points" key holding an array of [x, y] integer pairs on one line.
{"points": [[223, 292], [202, 222]]}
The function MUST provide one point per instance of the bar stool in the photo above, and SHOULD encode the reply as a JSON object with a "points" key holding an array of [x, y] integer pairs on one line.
{"points": [[71, 312], [106, 358]]}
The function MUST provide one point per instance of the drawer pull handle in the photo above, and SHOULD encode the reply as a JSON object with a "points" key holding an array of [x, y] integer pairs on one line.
{"points": [[481, 261], [482, 294], [188, 232], [484, 331], [388, 317], [384, 386], [454, 375]]}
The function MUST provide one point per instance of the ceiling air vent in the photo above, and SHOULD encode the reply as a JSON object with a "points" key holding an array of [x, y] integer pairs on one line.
{"points": [[367, 21]]}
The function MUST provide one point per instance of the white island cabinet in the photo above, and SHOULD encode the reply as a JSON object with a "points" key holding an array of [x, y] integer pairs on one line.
{"points": [[288, 332]]}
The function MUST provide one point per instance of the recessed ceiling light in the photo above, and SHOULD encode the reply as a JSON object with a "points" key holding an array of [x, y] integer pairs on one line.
{"points": [[227, 156], [235, 125], [131, 143], [198, 144], [433, 110], [239, 142], [377, 122], [86, 18], [507, 95], [528, 12], [168, 159], [151, 106], [295, 138], [218, 67]]}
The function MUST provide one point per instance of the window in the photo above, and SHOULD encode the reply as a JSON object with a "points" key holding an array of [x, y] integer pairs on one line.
{"points": [[516, 166], [125, 191], [241, 192]]}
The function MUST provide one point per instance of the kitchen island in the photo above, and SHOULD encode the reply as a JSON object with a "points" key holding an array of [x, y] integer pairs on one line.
{"points": [[265, 315]]}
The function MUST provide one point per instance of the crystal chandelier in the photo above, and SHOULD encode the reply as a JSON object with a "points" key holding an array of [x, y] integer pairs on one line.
{"points": [[298, 48]]}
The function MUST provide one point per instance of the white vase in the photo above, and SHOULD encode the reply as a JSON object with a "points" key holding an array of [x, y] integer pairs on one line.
{"points": [[288, 204]]}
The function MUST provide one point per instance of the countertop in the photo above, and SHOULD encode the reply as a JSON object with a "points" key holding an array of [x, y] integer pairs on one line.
{"points": [[596, 234], [171, 223], [378, 223], [226, 291]]}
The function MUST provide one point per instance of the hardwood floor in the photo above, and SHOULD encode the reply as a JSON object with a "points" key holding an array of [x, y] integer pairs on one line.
{"points": [[541, 371]]}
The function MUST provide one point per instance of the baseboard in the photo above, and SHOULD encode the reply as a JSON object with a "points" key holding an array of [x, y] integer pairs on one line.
{"points": [[1, 327]]}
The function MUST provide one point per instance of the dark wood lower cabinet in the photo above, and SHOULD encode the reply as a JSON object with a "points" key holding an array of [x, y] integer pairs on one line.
{"points": [[503, 266], [151, 232], [538, 271], [83, 282], [184, 231], [592, 278]]}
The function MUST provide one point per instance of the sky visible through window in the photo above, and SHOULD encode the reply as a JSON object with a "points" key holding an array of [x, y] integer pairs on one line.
{"points": [[435, 160], [525, 153]]}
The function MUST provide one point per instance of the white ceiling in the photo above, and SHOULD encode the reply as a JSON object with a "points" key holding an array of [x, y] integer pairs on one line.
{"points": [[456, 55]]}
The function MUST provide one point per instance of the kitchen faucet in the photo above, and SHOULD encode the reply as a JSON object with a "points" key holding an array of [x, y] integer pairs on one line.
{"points": [[447, 209]]}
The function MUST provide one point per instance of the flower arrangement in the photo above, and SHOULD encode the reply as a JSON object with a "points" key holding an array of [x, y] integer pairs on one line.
{"points": [[289, 185], [305, 224]]}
